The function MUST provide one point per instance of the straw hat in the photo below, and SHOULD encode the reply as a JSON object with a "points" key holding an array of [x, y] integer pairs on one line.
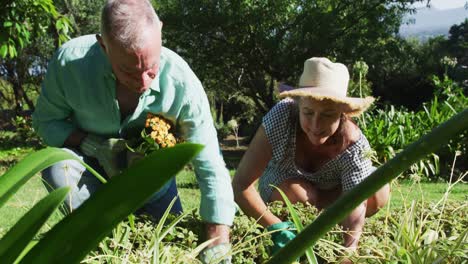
{"points": [[325, 80]]}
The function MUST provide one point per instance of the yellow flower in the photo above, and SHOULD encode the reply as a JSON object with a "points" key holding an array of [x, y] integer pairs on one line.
{"points": [[160, 130]]}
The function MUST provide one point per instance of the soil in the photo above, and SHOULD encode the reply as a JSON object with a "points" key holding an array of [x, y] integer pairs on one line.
{"points": [[231, 152]]}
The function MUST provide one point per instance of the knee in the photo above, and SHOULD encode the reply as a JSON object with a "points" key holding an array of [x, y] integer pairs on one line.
{"points": [[63, 173], [378, 200], [297, 190]]}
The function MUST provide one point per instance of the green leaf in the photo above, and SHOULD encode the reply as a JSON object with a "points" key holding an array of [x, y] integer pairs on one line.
{"points": [[13, 179], [26, 250], [297, 222], [18, 27], [3, 51], [59, 24], [11, 51], [80, 232], [20, 235], [7, 24]]}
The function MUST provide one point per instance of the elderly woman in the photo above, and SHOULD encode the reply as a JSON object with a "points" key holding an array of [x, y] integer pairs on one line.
{"points": [[309, 147]]}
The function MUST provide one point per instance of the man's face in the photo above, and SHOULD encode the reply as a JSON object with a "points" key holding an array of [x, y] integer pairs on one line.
{"points": [[135, 69]]}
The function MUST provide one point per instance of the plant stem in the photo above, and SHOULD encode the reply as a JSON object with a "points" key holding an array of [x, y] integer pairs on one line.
{"points": [[383, 175]]}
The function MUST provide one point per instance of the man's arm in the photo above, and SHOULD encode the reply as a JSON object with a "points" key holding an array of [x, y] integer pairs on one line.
{"points": [[52, 111], [217, 207]]}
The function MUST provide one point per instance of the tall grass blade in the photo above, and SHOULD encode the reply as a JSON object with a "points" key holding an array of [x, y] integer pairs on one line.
{"points": [[297, 222], [20, 235], [19, 174], [383, 175], [159, 234], [81, 231]]}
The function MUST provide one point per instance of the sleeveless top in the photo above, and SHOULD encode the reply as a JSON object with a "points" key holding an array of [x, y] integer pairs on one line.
{"points": [[348, 168]]}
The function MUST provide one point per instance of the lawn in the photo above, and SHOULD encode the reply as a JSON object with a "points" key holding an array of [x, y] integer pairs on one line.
{"points": [[403, 192]]}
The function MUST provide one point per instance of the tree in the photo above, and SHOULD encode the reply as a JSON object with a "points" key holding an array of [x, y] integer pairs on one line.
{"points": [[249, 46], [26, 22], [458, 42]]}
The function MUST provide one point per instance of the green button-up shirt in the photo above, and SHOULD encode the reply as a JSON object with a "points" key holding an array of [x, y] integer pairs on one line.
{"points": [[79, 92]]}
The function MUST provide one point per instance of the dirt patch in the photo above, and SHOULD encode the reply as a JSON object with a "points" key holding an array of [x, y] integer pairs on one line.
{"points": [[231, 152], [230, 143]]}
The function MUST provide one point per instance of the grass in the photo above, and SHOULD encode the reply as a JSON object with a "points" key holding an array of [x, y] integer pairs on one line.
{"points": [[402, 192]]}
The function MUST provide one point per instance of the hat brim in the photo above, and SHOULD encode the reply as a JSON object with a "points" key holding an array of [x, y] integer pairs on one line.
{"points": [[352, 106]]}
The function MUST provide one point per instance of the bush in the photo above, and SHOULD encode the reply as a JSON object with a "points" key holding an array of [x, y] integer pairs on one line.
{"points": [[390, 129], [222, 130]]}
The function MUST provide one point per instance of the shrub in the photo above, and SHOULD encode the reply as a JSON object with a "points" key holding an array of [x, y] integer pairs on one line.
{"points": [[390, 129], [222, 130]]}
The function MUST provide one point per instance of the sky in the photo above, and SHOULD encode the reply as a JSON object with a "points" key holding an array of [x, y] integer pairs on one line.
{"points": [[444, 4]]}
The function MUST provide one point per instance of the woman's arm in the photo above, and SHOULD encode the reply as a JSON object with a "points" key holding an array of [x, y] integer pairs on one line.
{"points": [[353, 225], [251, 167]]}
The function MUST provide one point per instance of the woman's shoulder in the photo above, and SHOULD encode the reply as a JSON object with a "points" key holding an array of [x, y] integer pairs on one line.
{"points": [[351, 132], [279, 125], [281, 112], [284, 105]]}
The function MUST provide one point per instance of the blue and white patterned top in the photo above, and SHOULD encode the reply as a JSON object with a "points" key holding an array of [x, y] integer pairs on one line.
{"points": [[349, 168]]}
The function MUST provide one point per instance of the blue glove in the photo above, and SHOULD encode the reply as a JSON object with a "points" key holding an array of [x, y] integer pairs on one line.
{"points": [[282, 233], [218, 254]]}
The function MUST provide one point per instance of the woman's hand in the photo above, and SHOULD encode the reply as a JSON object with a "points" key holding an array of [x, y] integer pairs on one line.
{"points": [[282, 233]]}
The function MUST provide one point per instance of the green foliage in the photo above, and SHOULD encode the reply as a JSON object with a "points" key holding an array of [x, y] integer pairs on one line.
{"points": [[298, 223], [249, 46], [27, 19], [390, 129], [458, 42], [23, 127], [359, 86], [19, 237], [384, 239], [87, 226], [222, 130]]}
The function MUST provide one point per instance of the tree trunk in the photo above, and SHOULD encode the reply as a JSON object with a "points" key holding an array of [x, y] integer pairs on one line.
{"points": [[16, 86], [220, 116], [28, 101]]}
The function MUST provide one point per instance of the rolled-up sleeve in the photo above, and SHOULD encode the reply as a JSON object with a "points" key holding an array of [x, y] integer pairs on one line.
{"points": [[52, 113], [217, 200]]}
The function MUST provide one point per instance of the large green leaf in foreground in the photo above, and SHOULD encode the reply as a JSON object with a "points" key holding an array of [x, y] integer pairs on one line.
{"points": [[80, 232], [383, 175], [21, 234], [13, 179]]}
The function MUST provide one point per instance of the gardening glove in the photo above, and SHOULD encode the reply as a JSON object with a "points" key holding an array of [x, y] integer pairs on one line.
{"points": [[282, 237], [218, 254], [109, 152]]}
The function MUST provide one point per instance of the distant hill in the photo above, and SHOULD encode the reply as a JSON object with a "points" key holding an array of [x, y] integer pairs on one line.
{"points": [[432, 22]]}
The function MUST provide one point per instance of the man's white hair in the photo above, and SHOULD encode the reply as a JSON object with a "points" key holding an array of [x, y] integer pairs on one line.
{"points": [[127, 22]]}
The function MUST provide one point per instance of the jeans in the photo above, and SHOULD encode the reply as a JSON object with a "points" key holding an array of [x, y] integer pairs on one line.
{"points": [[83, 183]]}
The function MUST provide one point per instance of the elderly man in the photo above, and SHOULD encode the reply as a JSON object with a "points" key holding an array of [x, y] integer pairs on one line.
{"points": [[99, 89]]}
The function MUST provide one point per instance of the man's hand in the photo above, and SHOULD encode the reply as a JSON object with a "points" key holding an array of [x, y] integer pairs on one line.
{"points": [[220, 249], [282, 233], [108, 152], [220, 253]]}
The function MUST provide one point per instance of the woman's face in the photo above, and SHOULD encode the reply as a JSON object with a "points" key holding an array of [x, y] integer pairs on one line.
{"points": [[319, 119]]}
